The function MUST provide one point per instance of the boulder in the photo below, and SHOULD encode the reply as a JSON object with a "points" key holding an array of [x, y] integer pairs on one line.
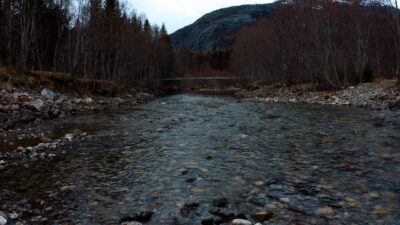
{"points": [[48, 94], [3, 220]]}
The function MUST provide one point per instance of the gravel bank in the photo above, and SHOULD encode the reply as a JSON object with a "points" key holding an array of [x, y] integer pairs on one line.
{"points": [[383, 95]]}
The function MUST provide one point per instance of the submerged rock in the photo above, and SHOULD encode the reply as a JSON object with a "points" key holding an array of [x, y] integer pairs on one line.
{"points": [[221, 202], [68, 189], [325, 211], [262, 216], [142, 217], [209, 221]]}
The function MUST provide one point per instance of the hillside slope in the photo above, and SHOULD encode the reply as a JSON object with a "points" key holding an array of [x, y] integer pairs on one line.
{"points": [[217, 30]]}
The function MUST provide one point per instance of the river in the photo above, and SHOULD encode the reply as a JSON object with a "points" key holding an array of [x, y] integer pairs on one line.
{"points": [[308, 164]]}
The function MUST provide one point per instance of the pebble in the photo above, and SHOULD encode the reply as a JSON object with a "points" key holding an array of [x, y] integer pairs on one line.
{"points": [[285, 200], [241, 222], [14, 216], [325, 211], [68, 189], [351, 202], [378, 209], [259, 183]]}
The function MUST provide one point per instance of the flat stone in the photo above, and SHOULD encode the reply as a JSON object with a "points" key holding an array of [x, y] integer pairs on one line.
{"points": [[241, 222], [131, 223]]}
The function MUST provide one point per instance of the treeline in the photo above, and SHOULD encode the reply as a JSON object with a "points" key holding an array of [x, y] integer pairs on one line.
{"points": [[203, 63], [328, 43], [86, 38]]}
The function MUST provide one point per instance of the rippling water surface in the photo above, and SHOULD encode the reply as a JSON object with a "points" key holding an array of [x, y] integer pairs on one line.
{"points": [[296, 159]]}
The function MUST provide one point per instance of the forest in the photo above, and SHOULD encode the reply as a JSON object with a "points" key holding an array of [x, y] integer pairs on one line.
{"points": [[87, 39], [329, 43]]}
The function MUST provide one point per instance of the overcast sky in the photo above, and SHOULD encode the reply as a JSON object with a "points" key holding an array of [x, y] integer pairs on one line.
{"points": [[179, 13]]}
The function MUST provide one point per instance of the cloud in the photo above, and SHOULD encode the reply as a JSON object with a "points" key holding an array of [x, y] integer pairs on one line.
{"points": [[179, 13]]}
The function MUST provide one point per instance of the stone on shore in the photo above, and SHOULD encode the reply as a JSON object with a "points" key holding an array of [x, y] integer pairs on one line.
{"points": [[38, 105], [48, 94]]}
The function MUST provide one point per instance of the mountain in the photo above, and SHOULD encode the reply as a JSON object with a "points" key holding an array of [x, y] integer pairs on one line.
{"points": [[217, 30]]}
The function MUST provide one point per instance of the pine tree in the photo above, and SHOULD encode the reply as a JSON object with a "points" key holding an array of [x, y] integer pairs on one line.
{"points": [[112, 7], [147, 26]]}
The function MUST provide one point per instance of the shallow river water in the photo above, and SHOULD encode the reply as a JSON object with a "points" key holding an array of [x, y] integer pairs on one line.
{"points": [[307, 164]]}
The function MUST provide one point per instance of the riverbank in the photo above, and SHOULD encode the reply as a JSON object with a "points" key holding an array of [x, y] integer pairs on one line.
{"points": [[380, 95]]}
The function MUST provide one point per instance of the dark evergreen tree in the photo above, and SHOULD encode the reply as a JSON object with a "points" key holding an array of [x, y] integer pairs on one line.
{"points": [[112, 7]]}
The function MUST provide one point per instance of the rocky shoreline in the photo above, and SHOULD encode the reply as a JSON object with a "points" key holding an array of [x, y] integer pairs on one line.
{"points": [[382, 95], [21, 113], [18, 107]]}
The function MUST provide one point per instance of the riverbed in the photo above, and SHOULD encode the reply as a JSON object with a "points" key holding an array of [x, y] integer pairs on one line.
{"points": [[175, 156]]}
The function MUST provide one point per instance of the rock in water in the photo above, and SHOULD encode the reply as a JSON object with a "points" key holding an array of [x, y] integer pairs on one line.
{"points": [[143, 217], [221, 202], [241, 222], [131, 223], [68, 189], [69, 137], [3, 221], [48, 94], [14, 216], [325, 212], [38, 105], [262, 216]]}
